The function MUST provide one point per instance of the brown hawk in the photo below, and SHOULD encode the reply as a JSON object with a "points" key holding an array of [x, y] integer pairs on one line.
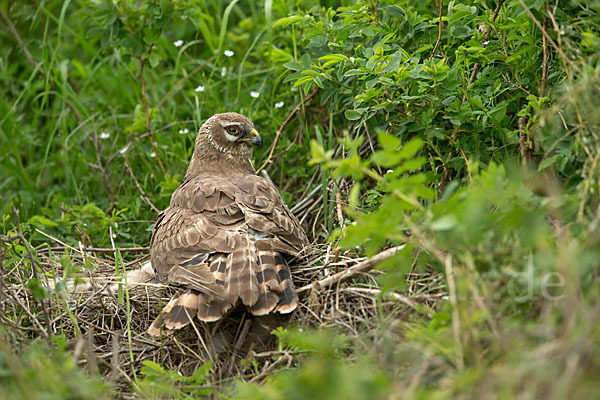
{"points": [[224, 237]]}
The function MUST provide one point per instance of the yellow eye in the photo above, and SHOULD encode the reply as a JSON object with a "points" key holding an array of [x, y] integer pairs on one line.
{"points": [[233, 130]]}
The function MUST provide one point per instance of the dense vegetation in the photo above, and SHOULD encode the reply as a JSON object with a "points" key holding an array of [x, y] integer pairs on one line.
{"points": [[466, 130]]}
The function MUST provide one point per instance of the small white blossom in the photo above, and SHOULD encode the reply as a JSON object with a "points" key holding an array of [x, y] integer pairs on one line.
{"points": [[351, 59], [254, 94], [104, 135], [445, 297], [178, 43], [114, 235], [389, 171], [152, 155], [124, 149], [279, 104], [228, 53], [199, 88], [184, 131], [223, 72]]}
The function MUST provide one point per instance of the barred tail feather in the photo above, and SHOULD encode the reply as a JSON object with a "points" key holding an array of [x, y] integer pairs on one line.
{"points": [[211, 308], [277, 291], [176, 314], [266, 276], [288, 298]]}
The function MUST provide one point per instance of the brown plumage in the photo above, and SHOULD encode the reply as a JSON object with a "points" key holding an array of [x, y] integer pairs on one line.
{"points": [[224, 237]]}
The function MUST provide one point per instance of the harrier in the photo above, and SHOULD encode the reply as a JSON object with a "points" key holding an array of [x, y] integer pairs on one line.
{"points": [[226, 234]]}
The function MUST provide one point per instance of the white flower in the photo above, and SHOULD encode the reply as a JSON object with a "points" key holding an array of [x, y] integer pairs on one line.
{"points": [[223, 72], [199, 88], [178, 43], [351, 59], [104, 135], [389, 171], [228, 53], [254, 94], [124, 149], [184, 131], [152, 155], [279, 104]]}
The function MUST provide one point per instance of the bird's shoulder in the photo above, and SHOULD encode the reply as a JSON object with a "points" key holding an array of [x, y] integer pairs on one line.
{"points": [[226, 203]]}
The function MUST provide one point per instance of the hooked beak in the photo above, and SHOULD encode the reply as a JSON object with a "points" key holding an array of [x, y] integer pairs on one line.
{"points": [[256, 140]]}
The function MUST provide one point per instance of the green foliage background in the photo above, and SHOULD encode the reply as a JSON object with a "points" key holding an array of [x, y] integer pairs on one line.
{"points": [[478, 150]]}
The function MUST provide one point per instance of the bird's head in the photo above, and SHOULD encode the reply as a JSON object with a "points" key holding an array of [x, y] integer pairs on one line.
{"points": [[231, 133]]}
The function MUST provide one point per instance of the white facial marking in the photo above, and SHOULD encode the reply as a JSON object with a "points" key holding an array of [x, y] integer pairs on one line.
{"points": [[225, 124], [230, 137]]}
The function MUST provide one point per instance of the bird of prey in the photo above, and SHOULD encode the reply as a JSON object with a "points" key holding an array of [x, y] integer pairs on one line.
{"points": [[225, 236]]}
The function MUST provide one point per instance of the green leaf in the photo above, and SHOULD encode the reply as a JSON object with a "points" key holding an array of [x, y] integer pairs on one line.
{"points": [[352, 115], [154, 59], [307, 61], [411, 148], [546, 162], [388, 141], [354, 196], [385, 158], [39, 220], [444, 223], [286, 21], [150, 368], [201, 374], [499, 112]]}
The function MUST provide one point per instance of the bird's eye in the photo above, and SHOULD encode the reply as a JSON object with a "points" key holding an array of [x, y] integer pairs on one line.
{"points": [[233, 130]]}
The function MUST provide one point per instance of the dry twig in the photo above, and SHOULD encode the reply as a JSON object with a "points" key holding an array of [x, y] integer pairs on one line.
{"points": [[289, 117], [439, 30], [34, 271], [361, 267], [137, 184]]}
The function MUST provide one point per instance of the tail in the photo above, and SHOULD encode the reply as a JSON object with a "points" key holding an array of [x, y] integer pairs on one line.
{"points": [[276, 288], [178, 313], [259, 278], [198, 276]]}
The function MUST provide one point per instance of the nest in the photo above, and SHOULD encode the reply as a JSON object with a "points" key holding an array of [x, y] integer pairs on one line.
{"points": [[105, 320]]}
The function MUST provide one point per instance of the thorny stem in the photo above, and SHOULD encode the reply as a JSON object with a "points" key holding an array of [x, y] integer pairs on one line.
{"points": [[439, 30], [283, 125], [484, 45], [137, 184], [545, 59], [148, 129]]}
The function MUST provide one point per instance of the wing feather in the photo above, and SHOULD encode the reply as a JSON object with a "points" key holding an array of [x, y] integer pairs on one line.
{"points": [[224, 242]]}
